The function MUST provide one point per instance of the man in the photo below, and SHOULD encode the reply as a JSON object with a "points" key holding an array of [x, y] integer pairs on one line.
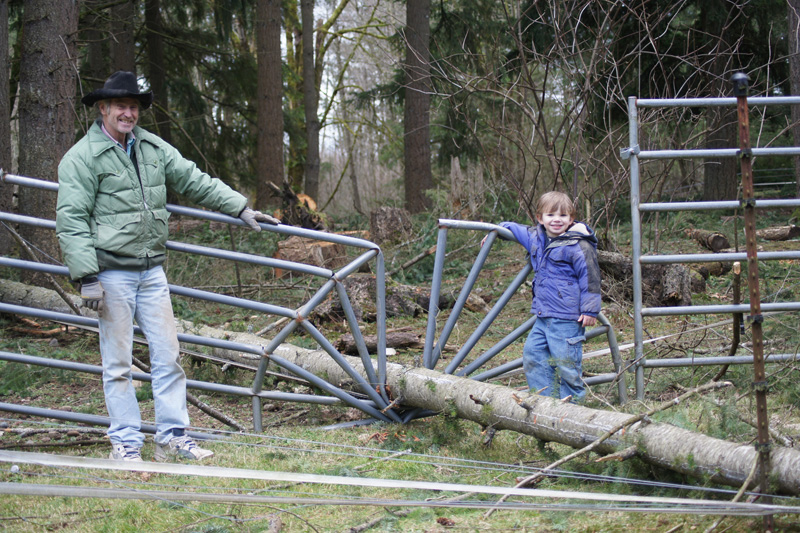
{"points": [[111, 222]]}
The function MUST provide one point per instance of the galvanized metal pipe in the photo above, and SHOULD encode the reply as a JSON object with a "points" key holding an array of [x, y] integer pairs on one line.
{"points": [[636, 243], [358, 338], [712, 258], [433, 305], [266, 354], [718, 309], [715, 102], [380, 306], [349, 370], [719, 152], [485, 227], [616, 358], [717, 361], [233, 301], [655, 207], [249, 258], [487, 321], [190, 383], [458, 306], [499, 370], [330, 388], [497, 348]]}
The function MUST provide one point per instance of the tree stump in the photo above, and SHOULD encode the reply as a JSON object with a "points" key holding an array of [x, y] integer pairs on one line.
{"points": [[311, 252], [387, 224]]}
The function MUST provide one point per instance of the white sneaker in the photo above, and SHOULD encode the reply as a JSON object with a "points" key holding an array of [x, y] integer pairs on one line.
{"points": [[125, 452], [183, 446]]}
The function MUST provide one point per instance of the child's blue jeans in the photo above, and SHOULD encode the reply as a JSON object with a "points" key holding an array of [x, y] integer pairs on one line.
{"points": [[552, 357]]}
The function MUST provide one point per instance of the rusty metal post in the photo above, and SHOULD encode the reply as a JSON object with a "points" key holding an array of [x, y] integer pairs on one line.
{"points": [[740, 90]]}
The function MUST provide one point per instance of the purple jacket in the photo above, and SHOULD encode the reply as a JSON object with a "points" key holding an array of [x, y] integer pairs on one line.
{"points": [[567, 280]]}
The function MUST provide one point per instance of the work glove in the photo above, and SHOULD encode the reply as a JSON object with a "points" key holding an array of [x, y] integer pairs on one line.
{"points": [[92, 294], [252, 218]]}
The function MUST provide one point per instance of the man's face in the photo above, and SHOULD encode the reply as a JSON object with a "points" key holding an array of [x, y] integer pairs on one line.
{"points": [[555, 222], [120, 115]]}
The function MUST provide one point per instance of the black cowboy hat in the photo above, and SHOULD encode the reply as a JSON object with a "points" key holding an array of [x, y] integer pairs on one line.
{"points": [[121, 84]]}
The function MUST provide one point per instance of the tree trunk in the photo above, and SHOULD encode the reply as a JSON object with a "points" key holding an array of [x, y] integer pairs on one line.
{"points": [[310, 101], [46, 115], [295, 126], [667, 446], [157, 71], [794, 79], [720, 174], [121, 45], [6, 191], [270, 103], [417, 148], [720, 182], [95, 33]]}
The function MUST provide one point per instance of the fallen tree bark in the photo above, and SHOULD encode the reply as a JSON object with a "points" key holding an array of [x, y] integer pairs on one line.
{"points": [[779, 233], [674, 448]]}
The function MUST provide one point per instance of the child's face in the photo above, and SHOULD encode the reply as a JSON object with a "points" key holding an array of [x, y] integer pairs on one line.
{"points": [[555, 222]]}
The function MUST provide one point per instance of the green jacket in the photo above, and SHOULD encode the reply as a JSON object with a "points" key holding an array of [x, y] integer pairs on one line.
{"points": [[107, 217]]}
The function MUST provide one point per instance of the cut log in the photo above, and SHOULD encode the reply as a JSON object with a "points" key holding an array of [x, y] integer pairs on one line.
{"points": [[670, 447], [779, 233], [713, 268], [677, 286], [394, 339], [311, 252], [710, 240], [403, 338], [662, 285]]}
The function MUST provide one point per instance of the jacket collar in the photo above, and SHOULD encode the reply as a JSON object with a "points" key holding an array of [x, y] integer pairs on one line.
{"points": [[567, 238]]}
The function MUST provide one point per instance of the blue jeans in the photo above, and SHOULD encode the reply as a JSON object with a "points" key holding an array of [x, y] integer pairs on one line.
{"points": [[143, 296], [552, 357]]}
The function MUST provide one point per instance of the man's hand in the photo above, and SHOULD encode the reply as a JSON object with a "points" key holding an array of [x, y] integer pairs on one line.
{"points": [[92, 294], [587, 321], [252, 218]]}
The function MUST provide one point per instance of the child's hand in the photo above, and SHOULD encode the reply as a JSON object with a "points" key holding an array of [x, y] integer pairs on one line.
{"points": [[484, 240], [587, 321]]}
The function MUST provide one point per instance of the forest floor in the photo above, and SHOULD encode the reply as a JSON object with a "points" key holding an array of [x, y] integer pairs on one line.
{"points": [[297, 438]]}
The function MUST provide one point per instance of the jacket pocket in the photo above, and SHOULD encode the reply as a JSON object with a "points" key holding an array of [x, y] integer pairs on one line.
{"points": [[118, 233]]}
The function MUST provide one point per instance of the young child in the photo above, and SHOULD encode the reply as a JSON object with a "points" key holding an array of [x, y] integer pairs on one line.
{"points": [[566, 296]]}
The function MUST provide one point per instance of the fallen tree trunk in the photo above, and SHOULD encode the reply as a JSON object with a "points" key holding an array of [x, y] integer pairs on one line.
{"points": [[779, 233], [677, 449], [496, 406]]}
